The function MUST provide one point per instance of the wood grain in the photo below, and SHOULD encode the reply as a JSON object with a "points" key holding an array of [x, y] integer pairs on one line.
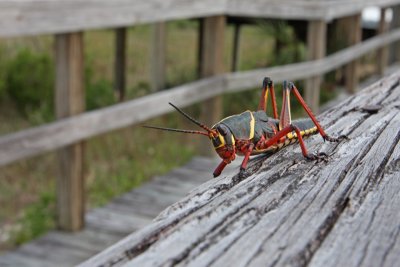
{"points": [[70, 97], [288, 211]]}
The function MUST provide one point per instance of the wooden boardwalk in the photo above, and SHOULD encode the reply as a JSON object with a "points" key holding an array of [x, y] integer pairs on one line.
{"points": [[106, 225]]}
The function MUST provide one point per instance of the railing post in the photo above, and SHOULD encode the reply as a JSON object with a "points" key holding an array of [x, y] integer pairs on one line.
{"points": [[69, 100], [200, 47], [211, 64], [120, 63], [236, 47], [395, 47], [316, 49], [382, 53], [157, 57], [353, 31]]}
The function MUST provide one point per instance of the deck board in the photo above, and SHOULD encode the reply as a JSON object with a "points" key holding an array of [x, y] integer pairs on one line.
{"points": [[110, 223]]}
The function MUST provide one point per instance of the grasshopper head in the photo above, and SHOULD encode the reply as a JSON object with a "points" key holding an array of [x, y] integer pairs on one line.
{"points": [[220, 135], [223, 142]]}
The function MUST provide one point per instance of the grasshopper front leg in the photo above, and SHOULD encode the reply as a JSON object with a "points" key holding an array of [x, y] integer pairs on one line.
{"points": [[219, 169]]}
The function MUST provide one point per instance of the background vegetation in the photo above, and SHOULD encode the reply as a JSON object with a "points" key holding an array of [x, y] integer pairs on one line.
{"points": [[118, 161]]}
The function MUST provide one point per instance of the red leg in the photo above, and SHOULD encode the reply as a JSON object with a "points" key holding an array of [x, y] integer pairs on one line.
{"points": [[273, 99], [282, 134], [320, 155], [263, 144], [268, 86], [219, 169], [246, 157], [285, 118], [312, 116]]}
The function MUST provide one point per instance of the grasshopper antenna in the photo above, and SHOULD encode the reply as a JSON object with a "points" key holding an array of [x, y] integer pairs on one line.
{"points": [[176, 130], [192, 119]]}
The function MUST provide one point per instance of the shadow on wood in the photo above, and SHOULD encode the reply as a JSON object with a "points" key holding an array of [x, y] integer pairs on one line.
{"points": [[289, 211]]}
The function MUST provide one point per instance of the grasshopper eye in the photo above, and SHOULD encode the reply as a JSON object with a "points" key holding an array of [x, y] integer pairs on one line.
{"points": [[216, 142], [222, 130]]}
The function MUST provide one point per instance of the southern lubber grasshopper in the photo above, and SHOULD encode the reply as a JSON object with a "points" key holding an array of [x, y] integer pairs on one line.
{"points": [[253, 132]]}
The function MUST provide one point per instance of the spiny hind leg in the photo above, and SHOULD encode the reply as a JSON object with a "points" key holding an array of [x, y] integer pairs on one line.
{"points": [[282, 136], [292, 87]]}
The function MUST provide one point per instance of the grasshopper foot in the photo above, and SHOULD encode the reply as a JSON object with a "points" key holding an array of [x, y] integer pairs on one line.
{"points": [[242, 173], [320, 156]]}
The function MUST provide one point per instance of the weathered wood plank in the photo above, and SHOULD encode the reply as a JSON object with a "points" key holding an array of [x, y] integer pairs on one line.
{"points": [[48, 16], [40, 248], [38, 140], [70, 100], [303, 10], [282, 213], [31, 17], [23, 260], [114, 221], [201, 163], [372, 219]]}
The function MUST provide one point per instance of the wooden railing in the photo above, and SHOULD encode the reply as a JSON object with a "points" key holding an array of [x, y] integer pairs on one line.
{"points": [[32, 17], [67, 19]]}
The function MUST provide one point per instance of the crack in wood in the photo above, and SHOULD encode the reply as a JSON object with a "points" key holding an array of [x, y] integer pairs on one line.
{"points": [[391, 246], [304, 257]]}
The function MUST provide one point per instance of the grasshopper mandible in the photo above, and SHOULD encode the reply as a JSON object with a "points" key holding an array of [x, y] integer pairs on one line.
{"points": [[253, 132]]}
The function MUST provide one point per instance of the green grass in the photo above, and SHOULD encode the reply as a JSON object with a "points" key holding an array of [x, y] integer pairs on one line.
{"points": [[120, 160]]}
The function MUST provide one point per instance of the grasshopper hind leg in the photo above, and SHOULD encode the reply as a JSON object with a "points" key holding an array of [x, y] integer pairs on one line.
{"points": [[321, 131], [268, 88]]}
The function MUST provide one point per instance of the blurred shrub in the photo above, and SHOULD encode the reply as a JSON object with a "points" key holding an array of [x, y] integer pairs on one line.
{"points": [[288, 48], [29, 78], [29, 81], [99, 93], [2, 73], [36, 219]]}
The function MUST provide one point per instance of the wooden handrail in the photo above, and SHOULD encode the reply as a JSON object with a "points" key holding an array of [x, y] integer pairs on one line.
{"points": [[33, 17], [34, 141]]}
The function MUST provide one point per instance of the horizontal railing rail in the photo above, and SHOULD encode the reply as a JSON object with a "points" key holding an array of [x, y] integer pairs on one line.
{"points": [[33, 17], [34, 141]]}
